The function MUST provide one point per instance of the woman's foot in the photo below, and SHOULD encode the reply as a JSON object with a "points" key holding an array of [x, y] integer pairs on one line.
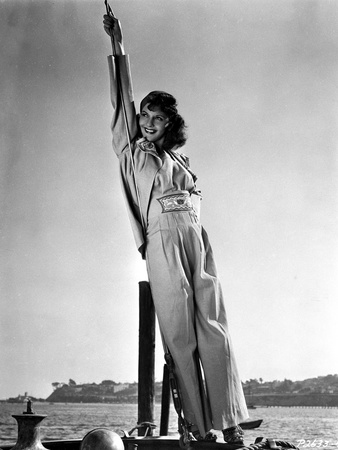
{"points": [[210, 437], [233, 435]]}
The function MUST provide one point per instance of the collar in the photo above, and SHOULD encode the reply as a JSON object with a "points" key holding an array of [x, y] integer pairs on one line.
{"points": [[146, 145]]}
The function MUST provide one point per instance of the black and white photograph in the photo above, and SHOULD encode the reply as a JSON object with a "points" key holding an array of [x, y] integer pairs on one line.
{"points": [[168, 224]]}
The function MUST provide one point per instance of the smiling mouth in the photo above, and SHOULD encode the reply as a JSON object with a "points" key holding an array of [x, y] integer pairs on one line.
{"points": [[148, 130]]}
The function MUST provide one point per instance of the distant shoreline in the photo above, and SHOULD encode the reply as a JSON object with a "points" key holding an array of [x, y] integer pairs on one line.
{"points": [[282, 404], [312, 392], [264, 400]]}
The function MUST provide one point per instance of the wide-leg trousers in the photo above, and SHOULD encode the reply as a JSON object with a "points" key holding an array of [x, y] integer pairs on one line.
{"points": [[191, 313]]}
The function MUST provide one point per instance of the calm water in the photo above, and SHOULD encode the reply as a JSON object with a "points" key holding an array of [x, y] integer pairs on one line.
{"points": [[316, 427]]}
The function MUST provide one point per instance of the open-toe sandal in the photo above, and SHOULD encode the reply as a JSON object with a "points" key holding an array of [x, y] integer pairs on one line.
{"points": [[210, 437], [234, 435]]}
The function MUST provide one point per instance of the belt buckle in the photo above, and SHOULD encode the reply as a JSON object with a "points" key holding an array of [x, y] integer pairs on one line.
{"points": [[175, 202]]}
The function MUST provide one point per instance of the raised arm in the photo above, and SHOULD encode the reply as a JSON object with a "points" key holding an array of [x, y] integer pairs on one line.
{"points": [[124, 122]]}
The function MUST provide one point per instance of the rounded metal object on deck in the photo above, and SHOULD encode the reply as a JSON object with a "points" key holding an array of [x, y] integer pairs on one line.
{"points": [[102, 439], [28, 431]]}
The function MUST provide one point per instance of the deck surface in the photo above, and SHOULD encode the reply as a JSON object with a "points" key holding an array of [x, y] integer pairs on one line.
{"points": [[155, 442], [144, 443]]}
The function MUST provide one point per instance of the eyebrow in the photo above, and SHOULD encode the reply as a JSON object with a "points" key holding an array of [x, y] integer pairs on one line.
{"points": [[162, 114]]}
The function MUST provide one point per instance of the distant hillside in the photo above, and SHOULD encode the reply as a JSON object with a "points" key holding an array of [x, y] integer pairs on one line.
{"points": [[321, 385], [106, 392], [320, 391]]}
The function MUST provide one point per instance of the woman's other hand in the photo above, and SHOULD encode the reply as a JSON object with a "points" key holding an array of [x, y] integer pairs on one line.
{"points": [[112, 27]]}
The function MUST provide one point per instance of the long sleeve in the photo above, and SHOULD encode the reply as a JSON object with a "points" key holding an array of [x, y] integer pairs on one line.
{"points": [[121, 94]]}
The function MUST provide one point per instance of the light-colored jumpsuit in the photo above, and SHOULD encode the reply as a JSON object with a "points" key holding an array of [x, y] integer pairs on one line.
{"points": [[181, 268]]}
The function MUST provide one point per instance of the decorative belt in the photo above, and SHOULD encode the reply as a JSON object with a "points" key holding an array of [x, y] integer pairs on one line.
{"points": [[176, 202]]}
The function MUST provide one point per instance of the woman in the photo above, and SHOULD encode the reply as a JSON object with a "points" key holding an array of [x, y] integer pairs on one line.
{"points": [[163, 202]]}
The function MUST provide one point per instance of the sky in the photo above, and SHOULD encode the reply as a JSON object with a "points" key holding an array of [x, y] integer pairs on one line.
{"points": [[256, 81]]}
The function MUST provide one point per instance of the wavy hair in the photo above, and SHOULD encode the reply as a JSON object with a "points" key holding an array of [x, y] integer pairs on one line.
{"points": [[175, 136]]}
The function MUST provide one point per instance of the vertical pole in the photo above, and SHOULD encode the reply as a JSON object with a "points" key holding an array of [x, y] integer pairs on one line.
{"points": [[146, 365], [165, 403]]}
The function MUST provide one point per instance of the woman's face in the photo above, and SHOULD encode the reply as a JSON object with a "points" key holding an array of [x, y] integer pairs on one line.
{"points": [[153, 124]]}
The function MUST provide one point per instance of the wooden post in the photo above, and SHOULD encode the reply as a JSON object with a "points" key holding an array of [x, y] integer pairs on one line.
{"points": [[165, 402], [146, 364]]}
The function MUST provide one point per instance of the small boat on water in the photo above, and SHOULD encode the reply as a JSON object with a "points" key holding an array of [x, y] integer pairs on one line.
{"points": [[251, 424]]}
